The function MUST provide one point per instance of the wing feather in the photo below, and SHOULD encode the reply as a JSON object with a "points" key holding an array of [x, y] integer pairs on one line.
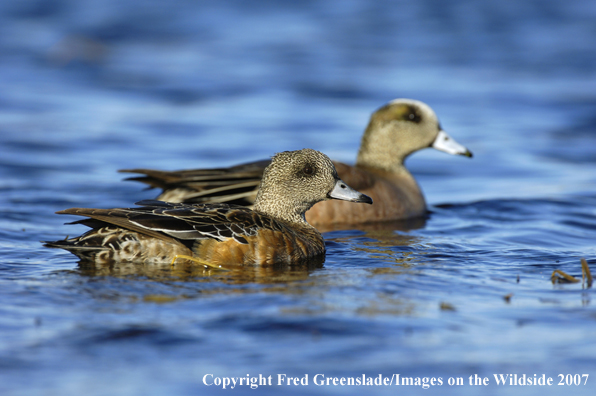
{"points": [[185, 222]]}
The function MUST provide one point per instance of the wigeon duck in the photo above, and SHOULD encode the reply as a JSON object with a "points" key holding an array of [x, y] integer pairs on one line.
{"points": [[216, 235], [394, 131]]}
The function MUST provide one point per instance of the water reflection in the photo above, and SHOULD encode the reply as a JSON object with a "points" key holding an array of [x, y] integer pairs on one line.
{"points": [[393, 225], [387, 240], [318, 295], [378, 304], [184, 270]]}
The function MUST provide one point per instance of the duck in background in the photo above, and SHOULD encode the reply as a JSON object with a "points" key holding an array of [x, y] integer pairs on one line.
{"points": [[396, 130]]}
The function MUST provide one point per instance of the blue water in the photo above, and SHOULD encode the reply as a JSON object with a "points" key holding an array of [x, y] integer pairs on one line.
{"points": [[87, 88]]}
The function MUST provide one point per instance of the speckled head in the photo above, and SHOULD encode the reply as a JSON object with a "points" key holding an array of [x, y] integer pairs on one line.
{"points": [[400, 128], [296, 180]]}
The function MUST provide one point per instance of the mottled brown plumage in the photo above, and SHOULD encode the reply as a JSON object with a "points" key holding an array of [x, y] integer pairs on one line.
{"points": [[234, 185], [220, 234], [395, 131]]}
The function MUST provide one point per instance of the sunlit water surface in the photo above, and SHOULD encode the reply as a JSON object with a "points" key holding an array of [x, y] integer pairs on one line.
{"points": [[87, 88]]}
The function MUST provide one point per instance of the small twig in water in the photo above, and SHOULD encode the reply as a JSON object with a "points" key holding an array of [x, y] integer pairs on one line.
{"points": [[586, 273], [559, 276]]}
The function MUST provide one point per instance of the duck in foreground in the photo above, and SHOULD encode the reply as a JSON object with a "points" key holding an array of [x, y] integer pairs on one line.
{"points": [[216, 235], [395, 131]]}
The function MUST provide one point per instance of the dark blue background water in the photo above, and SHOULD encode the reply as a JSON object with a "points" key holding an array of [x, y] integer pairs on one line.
{"points": [[88, 87]]}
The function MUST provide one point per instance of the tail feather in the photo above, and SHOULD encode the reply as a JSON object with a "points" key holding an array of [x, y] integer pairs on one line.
{"points": [[236, 185]]}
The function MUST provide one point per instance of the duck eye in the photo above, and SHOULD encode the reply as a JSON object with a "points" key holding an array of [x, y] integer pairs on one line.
{"points": [[308, 170], [414, 116]]}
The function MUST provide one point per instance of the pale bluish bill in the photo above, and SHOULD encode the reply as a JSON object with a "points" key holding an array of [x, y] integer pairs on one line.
{"points": [[344, 192], [446, 143]]}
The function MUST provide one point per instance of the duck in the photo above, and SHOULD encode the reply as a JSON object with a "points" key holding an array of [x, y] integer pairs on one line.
{"points": [[216, 235], [394, 132]]}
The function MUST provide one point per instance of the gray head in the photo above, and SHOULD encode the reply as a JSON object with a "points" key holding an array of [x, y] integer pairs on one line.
{"points": [[400, 128], [296, 180]]}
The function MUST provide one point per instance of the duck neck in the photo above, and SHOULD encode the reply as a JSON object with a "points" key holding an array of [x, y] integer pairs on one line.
{"points": [[384, 161], [380, 156], [378, 150], [268, 203]]}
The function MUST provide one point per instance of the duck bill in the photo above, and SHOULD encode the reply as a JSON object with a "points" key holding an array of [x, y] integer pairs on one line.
{"points": [[346, 193], [446, 143]]}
